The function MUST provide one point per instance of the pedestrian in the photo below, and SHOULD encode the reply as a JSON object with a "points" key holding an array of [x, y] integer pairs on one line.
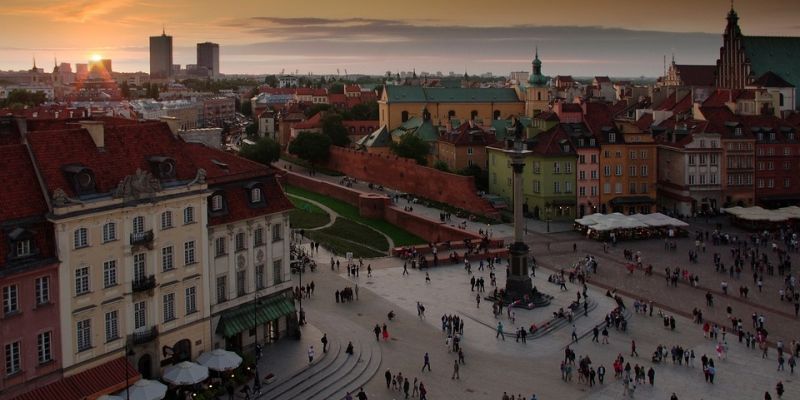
{"points": [[605, 334], [361, 395], [500, 331], [595, 334], [356, 289], [246, 390], [427, 278], [574, 334], [388, 376], [230, 389], [414, 388], [427, 362], [406, 386], [310, 354], [601, 373], [461, 356], [455, 370], [779, 389], [423, 393], [478, 300], [324, 341], [377, 331], [651, 375], [633, 349]]}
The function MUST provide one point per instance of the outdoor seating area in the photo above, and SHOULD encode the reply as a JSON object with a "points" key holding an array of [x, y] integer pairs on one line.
{"points": [[757, 218], [619, 226]]}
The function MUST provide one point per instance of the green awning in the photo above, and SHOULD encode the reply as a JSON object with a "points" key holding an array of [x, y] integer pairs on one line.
{"points": [[248, 316]]}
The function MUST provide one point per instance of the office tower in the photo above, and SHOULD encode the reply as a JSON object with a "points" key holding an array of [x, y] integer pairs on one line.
{"points": [[160, 56], [208, 57]]}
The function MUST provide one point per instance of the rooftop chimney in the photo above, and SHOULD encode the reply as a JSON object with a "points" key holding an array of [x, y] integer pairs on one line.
{"points": [[174, 124], [96, 131]]}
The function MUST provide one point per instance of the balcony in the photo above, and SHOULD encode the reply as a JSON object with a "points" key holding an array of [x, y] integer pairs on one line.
{"points": [[143, 336], [143, 284], [142, 238]]}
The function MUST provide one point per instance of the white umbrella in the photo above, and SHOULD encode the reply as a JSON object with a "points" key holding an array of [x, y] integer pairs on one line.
{"points": [[219, 360], [144, 389], [185, 373], [109, 397]]}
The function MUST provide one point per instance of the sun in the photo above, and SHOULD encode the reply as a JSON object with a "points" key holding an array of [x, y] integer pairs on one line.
{"points": [[96, 57]]}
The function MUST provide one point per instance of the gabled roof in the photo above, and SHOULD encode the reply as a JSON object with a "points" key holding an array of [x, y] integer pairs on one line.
{"points": [[645, 121], [602, 79], [775, 54], [418, 127], [468, 133], [379, 138], [551, 143], [772, 80], [697, 75], [21, 195], [418, 94]]}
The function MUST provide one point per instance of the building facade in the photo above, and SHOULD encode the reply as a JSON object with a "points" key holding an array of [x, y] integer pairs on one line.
{"points": [[160, 57], [208, 57]]}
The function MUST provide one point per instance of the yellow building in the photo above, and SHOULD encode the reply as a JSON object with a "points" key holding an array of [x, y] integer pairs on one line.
{"points": [[400, 103]]}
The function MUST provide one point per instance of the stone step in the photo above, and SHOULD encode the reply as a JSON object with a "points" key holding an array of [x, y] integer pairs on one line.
{"points": [[283, 385], [369, 372], [343, 382], [310, 385]]}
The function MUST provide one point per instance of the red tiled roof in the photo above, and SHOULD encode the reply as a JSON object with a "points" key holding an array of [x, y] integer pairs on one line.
{"points": [[548, 143], [352, 88], [464, 133], [697, 75], [103, 379], [234, 168], [314, 122], [239, 202], [571, 108], [358, 124], [564, 78], [272, 90], [334, 98], [645, 122], [602, 79], [21, 196], [127, 148], [771, 79], [547, 116]]}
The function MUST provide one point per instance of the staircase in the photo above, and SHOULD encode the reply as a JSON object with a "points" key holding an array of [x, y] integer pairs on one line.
{"points": [[333, 376]]}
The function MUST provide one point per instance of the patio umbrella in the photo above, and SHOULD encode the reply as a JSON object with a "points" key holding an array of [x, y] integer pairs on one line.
{"points": [[110, 397], [219, 360], [185, 373], [144, 389]]}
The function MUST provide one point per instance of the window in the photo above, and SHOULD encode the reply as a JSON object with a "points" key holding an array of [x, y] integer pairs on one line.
{"points": [[191, 300], [10, 299], [112, 326], [13, 360], [607, 170], [537, 167], [109, 273], [238, 241], [42, 290], [712, 179], [644, 188], [632, 187], [169, 307], [612, 137], [691, 179], [139, 267], [770, 183], [216, 202], [556, 187], [770, 165], [567, 187], [787, 151], [618, 170], [536, 187], [470, 151], [632, 171], [139, 315], [582, 191], [692, 159], [81, 281], [618, 154], [83, 333], [568, 167], [595, 174], [23, 248], [255, 195], [644, 170], [760, 165], [277, 232], [702, 179], [702, 143], [138, 224], [80, 238], [167, 263], [188, 215], [713, 144], [787, 182], [166, 220], [618, 187], [241, 290], [188, 252], [582, 175], [44, 346], [606, 154], [277, 271], [219, 246], [591, 142], [594, 191], [633, 155], [606, 188], [713, 159], [702, 159], [258, 237], [787, 165], [594, 158], [582, 158], [259, 277], [221, 288], [556, 168], [109, 232]]}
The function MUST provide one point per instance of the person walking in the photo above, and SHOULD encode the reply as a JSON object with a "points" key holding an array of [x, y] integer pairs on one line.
{"points": [[388, 376], [633, 349], [310, 354], [478, 300], [455, 370], [595, 334], [377, 331], [324, 341], [427, 362], [601, 373], [500, 331], [574, 334], [406, 386], [651, 375], [361, 394]]}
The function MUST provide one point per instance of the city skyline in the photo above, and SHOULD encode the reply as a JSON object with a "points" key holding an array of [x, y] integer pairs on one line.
{"points": [[609, 38]]}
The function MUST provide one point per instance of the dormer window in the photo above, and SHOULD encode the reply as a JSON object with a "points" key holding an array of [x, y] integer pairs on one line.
{"points": [[772, 136], [255, 195], [163, 167], [216, 202], [737, 131], [81, 178], [591, 142], [23, 248], [612, 137]]}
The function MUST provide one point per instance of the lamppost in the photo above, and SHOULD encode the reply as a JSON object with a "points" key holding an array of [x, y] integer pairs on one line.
{"points": [[128, 353], [547, 211]]}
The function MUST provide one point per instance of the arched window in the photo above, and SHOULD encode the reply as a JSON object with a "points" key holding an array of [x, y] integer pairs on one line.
{"points": [[780, 95], [404, 116], [496, 114], [451, 114], [473, 114], [538, 95]]}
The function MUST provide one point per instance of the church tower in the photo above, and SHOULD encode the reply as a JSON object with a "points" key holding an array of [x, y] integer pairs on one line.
{"points": [[733, 70], [537, 93]]}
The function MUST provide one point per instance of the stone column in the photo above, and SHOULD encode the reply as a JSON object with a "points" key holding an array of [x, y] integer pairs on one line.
{"points": [[519, 283]]}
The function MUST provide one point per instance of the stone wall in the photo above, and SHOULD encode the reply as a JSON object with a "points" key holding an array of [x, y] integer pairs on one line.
{"points": [[406, 176]]}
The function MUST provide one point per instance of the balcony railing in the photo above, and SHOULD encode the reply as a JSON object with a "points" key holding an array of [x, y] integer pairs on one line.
{"points": [[141, 238], [144, 336], [143, 284]]}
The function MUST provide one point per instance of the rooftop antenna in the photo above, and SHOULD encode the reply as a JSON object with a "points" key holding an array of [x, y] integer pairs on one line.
{"points": [[665, 65], [34, 62], [163, 30]]}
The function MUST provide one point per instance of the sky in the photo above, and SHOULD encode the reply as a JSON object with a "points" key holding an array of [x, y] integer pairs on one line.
{"points": [[622, 38]]}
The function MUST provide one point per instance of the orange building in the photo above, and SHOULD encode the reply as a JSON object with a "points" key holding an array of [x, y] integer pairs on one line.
{"points": [[464, 146]]}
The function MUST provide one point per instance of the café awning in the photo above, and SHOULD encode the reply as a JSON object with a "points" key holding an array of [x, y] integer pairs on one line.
{"points": [[250, 315]]}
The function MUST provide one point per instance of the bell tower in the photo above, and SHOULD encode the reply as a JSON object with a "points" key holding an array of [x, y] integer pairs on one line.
{"points": [[537, 92]]}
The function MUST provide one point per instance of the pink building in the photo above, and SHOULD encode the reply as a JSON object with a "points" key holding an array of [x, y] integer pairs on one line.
{"points": [[588, 180], [30, 337]]}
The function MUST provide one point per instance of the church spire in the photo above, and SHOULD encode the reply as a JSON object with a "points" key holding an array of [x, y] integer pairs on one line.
{"points": [[34, 63]]}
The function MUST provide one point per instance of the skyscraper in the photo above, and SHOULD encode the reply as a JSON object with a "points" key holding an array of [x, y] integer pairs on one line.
{"points": [[160, 56], [208, 57]]}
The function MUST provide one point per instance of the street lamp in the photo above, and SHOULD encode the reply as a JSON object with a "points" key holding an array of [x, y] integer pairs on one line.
{"points": [[547, 211]]}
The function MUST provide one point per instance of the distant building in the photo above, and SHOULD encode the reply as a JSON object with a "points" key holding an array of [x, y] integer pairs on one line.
{"points": [[208, 57], [160, 56]]}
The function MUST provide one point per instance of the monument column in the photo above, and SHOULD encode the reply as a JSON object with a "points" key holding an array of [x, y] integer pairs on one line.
{"points": [[519, 283]]}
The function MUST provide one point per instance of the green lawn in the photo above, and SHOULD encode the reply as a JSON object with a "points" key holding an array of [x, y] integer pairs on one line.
{"points": [[358, 233], [307, 215], [400, 236], [339, 246]]}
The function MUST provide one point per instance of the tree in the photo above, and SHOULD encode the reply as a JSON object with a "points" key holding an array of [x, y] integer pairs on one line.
{"points": [[314, 109], [246, 108], [251, 130], [264, 151], [125, 90], [271, 80], [441, 166], [336, 88], [481, 176], [21, 97], [311, 146], [365, 111], [411, 146], [333, 127]]}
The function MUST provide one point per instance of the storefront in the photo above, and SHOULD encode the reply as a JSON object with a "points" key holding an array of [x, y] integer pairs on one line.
{"points": [[265, 320]]}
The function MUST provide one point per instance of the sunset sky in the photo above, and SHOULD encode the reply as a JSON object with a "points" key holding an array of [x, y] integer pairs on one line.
{"points": [[579, 37]]}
